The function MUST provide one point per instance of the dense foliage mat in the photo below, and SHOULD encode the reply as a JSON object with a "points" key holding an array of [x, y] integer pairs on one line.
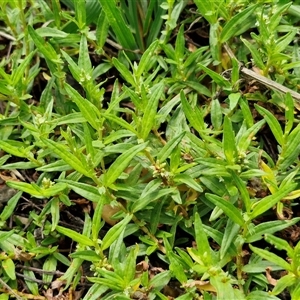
{"points": [[149, 149]]}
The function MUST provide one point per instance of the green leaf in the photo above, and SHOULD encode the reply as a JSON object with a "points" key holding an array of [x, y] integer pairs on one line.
{"points": [[202, 241], [97, 217], [124, 72], [280, 244], [85, 190], [19, 72], [271, 257], [230, 28], [31, 189], [51, 32], [284, 41], [272, 122], [230, 235], [246, 138], [118, 24], [80, 13], [144, 200], [55, 213], [256, 233], [194, 115], [180, 45], [102, 30], [266, 203], [289, 113], [228, 208], [30, 280], [291, 149], [255, 54], [84, 61], [225, 290], [130, 265], [88, 109], [75, 236], [49, 267], [260, 267], [145, 59], [166, 151], [121, 163], [208, 10], [114, 232], [260, 295], [283, 283], [8, 267], [150, 112], [121, 122], [242, 189], [8, 146], [45, 48], [89, 255], [230, 150], [95, 291], [217, 78], [216, 114], [4, 235], [10, 207], [68, 157], [189, 181]]}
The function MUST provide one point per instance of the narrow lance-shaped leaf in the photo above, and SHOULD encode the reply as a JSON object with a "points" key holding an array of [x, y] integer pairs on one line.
{"points": [[208, 10], [272, 122], [120, 121], [114, 232], [230, 29], [75, 236], [255, 54], [243, 190], [80, 12], [280, 244], [84, 61], [266, 203], [230, 235], [217, 78], [284, 282], [291, 150], [68, 157], [271, 257], [124, 72], [228, 208], [151, 110], [45, 48], [189, 181], [146, 58], [289, 113], [166, 151], [102, 29], [230, 150], [194, 115], [202, 241], [121, 163], [88, 110], [180, 45], [216, 114], [55, 212], [96, 222], [118, 24], [10, 206], [19, 72]]}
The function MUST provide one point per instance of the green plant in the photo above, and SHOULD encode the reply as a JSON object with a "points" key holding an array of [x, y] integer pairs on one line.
{"points": [[137, 159]]}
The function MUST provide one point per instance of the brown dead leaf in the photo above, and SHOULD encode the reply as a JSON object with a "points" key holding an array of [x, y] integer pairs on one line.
{"points": [[270, 279]]}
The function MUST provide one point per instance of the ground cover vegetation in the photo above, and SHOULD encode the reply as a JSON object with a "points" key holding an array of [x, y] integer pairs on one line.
{"points": [[149, 149]]}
